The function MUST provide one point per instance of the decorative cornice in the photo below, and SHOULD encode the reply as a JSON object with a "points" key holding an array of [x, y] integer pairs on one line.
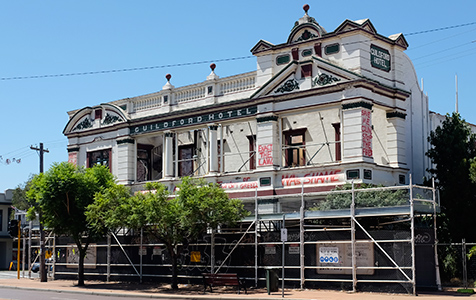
{"points": [[266, 119], [357, 104], [109, 119], [396, 114], [86, 123], [75, 149], [324, 79], [126, 141], [288, 86]]}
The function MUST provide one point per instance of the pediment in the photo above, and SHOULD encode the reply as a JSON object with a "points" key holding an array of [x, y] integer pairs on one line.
{"points": [[296, 77], [348, 25], [89, 118], [261, 46], [399, 40]]}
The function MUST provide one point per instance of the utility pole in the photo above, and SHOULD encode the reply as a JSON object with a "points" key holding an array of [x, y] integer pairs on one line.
{"points": [[42, 271]]}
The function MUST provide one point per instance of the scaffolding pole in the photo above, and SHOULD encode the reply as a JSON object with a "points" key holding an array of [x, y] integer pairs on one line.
{"points": [[437, 266], [352, 234], [412, 217], [301, 237], [256, 237]]}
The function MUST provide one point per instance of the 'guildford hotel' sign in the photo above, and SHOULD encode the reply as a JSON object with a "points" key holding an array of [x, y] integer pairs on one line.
{"points": [[195, 120], [380, 58]]}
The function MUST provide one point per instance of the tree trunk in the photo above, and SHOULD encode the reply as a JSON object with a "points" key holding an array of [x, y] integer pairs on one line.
{"points": [[82, 255], [174, 257]]}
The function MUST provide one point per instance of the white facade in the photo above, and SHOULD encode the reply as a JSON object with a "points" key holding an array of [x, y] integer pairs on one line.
{"points": [[322, 109], [6, 242]]}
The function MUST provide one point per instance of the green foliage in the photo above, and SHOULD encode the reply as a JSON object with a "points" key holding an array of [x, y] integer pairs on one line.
{"points": [[20, 199], [62, 194], [371, 198], [453, 151], [198, 205]]}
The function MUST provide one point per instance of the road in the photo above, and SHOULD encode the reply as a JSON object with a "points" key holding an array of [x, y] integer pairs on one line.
{"points": [[19, 294]]}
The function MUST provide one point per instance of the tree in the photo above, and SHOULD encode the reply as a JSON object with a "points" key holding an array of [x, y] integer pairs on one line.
{"points": [[62, 195], [196, 207], [20, 200], [370, 198], [453, 148]]}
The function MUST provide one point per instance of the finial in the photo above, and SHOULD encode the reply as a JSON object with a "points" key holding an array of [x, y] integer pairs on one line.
{"points": [[168, 86], [213, 66], [306, 8]]}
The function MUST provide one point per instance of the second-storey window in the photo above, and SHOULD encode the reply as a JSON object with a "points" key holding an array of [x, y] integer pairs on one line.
{"points": [[295, 150], [100, 157], [144, 169], [186, 153]]}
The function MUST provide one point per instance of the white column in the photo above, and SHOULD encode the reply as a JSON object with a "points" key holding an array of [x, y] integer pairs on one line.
{"points": [[169, 155], [126, 160], [396, 139], [213, 142]]}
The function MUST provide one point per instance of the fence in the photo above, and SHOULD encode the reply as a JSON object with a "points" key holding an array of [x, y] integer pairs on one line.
{"points": [[379, 239]]}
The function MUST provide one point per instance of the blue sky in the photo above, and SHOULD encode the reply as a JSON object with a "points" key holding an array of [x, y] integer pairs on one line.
{"points": [[67, 37]]}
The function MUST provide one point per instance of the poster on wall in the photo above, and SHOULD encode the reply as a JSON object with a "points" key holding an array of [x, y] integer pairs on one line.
{"points": [[334, 257], [72, 257]]}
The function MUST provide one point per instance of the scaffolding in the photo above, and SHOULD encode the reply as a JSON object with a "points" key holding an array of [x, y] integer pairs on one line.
{"points": [[364, 245]]}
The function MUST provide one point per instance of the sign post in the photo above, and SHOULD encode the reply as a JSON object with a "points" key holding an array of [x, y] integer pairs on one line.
{"points": [[284, 238]]}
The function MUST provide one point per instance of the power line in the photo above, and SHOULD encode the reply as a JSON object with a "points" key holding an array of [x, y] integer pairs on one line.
{"points": [[440, 29], [124, 70], [197, 62]]}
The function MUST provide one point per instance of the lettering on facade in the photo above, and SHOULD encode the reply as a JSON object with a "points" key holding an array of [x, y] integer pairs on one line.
{"points": [[223, 115], [367, 133], [326, 177], [246, 183], [265, 155], [380, 58]]}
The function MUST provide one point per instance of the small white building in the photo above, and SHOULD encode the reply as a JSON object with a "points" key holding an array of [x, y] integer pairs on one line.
{"points": [[6, 241], [321, 109]]}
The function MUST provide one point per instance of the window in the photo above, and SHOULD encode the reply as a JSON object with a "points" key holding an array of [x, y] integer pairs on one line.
{"points": [[186, 153], [368, 174], [331, 49], [353, 174], [306, 71], [283, 59], [337, 140], [100, 157], [144, 171], [295, 148], [252, 151], [1, 220]]}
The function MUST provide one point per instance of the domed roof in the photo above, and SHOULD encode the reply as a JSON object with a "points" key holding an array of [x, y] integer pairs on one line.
{"points": [[305, 28]]}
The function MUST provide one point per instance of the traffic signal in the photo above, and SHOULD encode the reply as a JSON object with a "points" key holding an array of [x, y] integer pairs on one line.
{"points": [[13, 228]]}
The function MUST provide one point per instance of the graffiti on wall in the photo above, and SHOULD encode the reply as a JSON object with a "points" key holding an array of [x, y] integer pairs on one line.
{"points": [[367, 133], [265, 155]]}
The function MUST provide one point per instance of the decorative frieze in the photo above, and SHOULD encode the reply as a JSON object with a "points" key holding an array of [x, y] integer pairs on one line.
{"points": [[363, 104], [396, 114], [85, 124], [126, 141], [324, 79], [289, 86], [110, 119]]}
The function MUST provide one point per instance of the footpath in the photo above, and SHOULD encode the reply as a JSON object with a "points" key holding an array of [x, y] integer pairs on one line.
{"points": [[187, 292]]}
